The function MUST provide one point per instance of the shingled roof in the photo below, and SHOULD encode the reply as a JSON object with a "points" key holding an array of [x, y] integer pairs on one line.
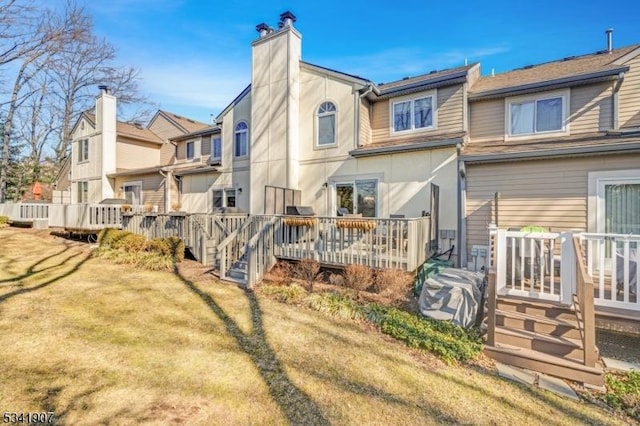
{"points": [[130, 130], [575, 66], [187, 124]]}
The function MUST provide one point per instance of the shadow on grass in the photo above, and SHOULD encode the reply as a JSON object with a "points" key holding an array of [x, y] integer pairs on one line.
{"points": [[31, 270], [47, 283], [296, 405]]}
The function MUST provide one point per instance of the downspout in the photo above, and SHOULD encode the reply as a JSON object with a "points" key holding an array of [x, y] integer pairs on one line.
{"points": [[462, 206], [167, 192], [616, 100]]}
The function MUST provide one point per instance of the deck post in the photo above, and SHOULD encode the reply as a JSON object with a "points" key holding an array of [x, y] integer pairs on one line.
{"points": [[584, 292], [491, 289], [567, 268]]}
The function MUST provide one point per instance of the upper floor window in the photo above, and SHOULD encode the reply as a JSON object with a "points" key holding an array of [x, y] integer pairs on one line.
{"points": [[241, 140], [413, 114], [191, 150], [216, 148], [534, 115], [83, 150], [326, 124]]}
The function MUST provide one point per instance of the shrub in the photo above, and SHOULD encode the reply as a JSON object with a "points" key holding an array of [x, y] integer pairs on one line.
{"points": [[280, 274], [450, 342], [160, 246], [336, 279], [335, 305], [291, 294], [130, 242], [392, 282], [358, 277], [177, 248], [4, 220], [132, 249], [308, 270], [109, 236], [623, 392]]}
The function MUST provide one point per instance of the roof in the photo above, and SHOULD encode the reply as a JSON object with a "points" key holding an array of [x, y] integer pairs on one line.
{"points": [[420, 142], [136, 131], [593, 64], [187, 124], [234, 102], [595, 143], [181, 170], [350, 77], [135, 172], [424, 81], [203, 132]]}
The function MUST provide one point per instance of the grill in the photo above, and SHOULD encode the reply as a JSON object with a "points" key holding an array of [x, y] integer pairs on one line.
{"points": [[300, 211]]}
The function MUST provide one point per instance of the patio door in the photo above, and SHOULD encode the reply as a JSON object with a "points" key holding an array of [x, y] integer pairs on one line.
{"points": [[132, 192], [358, 197]]}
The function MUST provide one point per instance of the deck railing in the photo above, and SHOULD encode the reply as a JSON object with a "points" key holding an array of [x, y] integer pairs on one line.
{"points": [[612, 261], [156, 225], [86, 217], [260, 252]]}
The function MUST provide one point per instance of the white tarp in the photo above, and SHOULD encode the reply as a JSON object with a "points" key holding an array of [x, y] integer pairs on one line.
{"points": [[452, 295]]}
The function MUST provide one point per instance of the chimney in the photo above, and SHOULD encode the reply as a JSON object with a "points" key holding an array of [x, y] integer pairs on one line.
{"points": [[104, 89], [287, 19], [263, 29], [609, 33]]}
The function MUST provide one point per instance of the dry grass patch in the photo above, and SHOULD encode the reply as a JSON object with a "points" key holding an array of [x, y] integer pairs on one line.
{"points": [[103, 343]]}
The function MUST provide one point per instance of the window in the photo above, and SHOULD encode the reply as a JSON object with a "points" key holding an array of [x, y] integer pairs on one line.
{"points": [[83, 150], [360, 197], [530, 116], [216, 149], [132, 192], [326, 124], [190, 150], [83, 192], [241, 140], [413, 114], [224, 198]]}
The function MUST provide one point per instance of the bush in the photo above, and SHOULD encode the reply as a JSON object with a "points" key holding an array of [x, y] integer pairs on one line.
{"points": [[108, 236], [130, 242], [280, 274], [308, 270], [335, 305], [450, 342], [336, 279], [393, 283], [177, 248], [291, 294], [358, 277], [132, 249], [4, 220], [160, 246]]}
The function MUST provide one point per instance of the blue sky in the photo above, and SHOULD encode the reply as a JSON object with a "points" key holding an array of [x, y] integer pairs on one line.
{"points": [[195, 55]]}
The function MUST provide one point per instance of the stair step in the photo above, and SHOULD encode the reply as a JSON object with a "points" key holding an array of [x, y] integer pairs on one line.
{"points": [[552, 345], [538, 324], [537, 308], [545, 363]]}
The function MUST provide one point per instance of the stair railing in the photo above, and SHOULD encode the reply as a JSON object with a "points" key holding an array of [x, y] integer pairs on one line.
{"points": [[585, 306], [260, 251], [233, 247]]}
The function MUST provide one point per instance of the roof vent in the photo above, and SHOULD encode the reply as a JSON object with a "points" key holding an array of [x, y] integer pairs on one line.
{"points": [[568, 58], [405, 78], [433, 71], [287, 18], [609, 33], [527, 67]]}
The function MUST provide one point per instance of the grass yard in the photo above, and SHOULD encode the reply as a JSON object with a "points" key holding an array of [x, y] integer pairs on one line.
{"points": [[99, 343]]}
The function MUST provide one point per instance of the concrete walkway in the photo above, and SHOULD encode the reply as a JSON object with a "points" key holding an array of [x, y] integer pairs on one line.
{"points": [[533, 378]]}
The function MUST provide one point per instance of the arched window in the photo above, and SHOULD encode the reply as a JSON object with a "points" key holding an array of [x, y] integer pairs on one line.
{"points": [[326, 124], [241, 140]]}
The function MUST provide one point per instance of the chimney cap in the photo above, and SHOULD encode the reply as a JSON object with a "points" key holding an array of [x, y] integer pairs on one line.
{"points": [[103, 88], [287, 15], [262, 27]]}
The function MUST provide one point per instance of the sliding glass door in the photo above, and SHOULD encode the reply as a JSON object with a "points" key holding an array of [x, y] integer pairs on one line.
{"points": [[357, 197]]}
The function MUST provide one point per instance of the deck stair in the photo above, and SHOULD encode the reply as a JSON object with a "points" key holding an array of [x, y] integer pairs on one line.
{"points": [[541, 336]]}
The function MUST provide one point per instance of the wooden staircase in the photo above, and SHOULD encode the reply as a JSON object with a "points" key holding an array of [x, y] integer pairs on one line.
{"points": [[541, 336]]}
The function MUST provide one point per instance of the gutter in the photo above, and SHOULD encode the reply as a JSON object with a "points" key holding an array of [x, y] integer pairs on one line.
{"points": [[616, 101], [167, 192], [420, 86], [558, 152], [366, 152], [595, 77]]}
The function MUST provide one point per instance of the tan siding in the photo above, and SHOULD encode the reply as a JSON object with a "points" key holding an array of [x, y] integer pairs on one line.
{"points": [[205, 147], [152, 188], [549, 193], [591, 108], [487, 119], [131, 154], [166, 130], [629, 96], [449, 116], [450, 109], [365, 122]]}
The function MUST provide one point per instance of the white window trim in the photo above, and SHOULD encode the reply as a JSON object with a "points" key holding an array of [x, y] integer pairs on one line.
{"points": [[595, 200], [317, 144], [224, 190], [84, 152], [234, 139], [565, 94], [212, 158], [434, 109], [137, 183], [81, 182]]}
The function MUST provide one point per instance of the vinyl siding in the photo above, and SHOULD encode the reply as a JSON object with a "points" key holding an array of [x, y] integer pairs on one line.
{"points": [[365, 122], [166, 130], [548, 193], [486, 120], [629, 96], [591, 108], [152, 188], [132, 154], [448, 117]]}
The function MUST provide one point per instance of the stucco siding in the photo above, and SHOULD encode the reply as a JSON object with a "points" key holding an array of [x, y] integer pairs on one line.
{"points": [[550, 193], [629, 102]]}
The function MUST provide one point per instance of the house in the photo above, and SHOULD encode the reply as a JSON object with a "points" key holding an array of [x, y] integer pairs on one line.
{"points": [[114, 159], [559, 143]]}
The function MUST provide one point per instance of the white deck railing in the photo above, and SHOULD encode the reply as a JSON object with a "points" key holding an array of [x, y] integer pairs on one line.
{"points": [[83, 217], [541, 265]]}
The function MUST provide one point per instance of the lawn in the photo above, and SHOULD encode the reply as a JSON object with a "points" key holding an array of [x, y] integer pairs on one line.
{"points": [[99, 343]]}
